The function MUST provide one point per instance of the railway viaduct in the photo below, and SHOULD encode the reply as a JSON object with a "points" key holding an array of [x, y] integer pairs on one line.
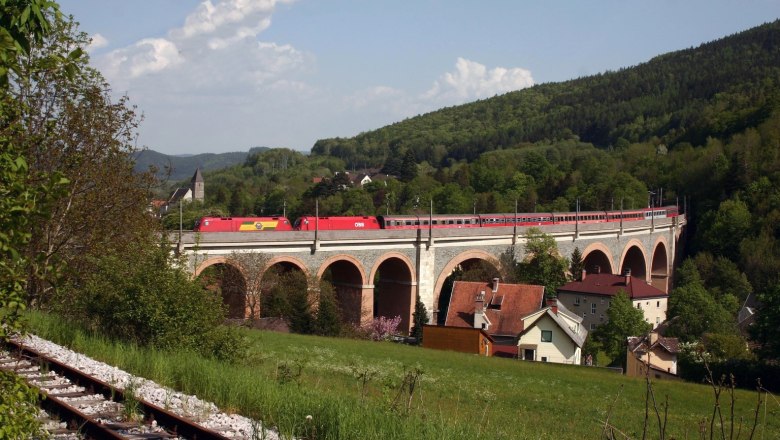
{"points": [[380, 272]]}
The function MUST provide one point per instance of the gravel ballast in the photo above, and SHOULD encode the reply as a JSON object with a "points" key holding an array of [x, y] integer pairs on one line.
{"points": [[204, 413]]}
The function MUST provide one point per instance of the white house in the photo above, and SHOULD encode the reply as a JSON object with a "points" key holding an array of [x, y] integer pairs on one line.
{"points": [[552, 334]]}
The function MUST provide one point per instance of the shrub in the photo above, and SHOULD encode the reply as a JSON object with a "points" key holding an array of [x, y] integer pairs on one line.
{"points": [[146, 298]]}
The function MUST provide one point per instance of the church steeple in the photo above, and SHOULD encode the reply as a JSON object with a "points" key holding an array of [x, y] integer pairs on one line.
{"points": [[197, 185]]}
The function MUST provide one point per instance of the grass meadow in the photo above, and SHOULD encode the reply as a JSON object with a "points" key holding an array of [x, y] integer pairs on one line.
{"points": [[355, 389]]}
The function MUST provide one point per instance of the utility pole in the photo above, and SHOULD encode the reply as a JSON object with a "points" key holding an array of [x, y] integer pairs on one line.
{"points": [[577, 220], [180, 222], [514, 229]]}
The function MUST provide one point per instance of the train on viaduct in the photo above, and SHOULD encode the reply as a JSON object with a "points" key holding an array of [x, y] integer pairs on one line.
{"points": [[380, 272]]}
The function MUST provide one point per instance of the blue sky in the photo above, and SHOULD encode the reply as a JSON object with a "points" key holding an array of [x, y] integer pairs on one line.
{"points": [[227, 75]]}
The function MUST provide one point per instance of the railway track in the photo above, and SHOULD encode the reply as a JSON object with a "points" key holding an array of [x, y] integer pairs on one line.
{"points": [[91, 408]]}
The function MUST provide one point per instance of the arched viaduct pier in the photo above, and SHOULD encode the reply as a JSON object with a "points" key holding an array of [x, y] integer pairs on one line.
{"points": [[380, 272]]}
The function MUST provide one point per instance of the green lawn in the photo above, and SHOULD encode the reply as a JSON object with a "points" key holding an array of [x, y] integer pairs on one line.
{"points": [[458, 395]]}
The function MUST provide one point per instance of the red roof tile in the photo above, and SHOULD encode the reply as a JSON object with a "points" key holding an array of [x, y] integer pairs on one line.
{"points": [[609, 285], [504, 308]]}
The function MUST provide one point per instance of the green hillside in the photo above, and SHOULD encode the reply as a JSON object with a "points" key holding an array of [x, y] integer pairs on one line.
{"points": [[714, 90]]}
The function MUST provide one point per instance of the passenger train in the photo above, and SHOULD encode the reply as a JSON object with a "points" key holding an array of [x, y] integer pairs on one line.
{"points": [[355, 223]]}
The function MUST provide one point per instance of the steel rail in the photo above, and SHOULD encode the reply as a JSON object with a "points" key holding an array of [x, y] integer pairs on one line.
{"points": [[172, 422]]}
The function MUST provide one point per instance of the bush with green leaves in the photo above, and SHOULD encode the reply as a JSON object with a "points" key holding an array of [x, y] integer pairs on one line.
{"points": [[146, 298]]}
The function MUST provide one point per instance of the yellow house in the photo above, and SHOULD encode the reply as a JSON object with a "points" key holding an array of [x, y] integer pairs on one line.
{"points": [[653, 352]]}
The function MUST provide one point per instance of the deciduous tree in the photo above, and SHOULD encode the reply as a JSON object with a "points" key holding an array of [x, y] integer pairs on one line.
{"points": [[624, 320], [24, 25], [70, 124], [250, 279], [542, 265]]}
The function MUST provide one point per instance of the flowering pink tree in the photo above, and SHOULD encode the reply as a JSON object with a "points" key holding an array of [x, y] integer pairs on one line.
{"points": [[382, 328]]}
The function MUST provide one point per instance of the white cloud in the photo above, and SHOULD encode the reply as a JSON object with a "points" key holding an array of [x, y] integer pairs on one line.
{"points": [[472, 80], [149, 55], [216, 49], [96, 42], [209, 18], [241, 33]]}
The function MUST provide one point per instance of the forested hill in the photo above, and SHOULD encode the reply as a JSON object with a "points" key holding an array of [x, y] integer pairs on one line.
{"points": [[183, 167], [716, 89]]}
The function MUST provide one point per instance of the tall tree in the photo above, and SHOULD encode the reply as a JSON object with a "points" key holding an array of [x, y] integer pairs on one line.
{"points": [[328, 320], [408, 169], [71, 125], [249, 279], [420, 318], [624, 320], [300, 317], [24, 25], [766, 329], [577, 265], [542, 265]]}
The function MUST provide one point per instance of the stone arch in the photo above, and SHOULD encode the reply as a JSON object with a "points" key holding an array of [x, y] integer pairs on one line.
{"points": [[634, 257], [209, 262], [290, 262], [659, 265], [231, 285], [349, 280], [395, 288], [597, 258], [456, 261]]}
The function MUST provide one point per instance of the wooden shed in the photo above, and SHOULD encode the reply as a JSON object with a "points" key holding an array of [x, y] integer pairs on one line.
{"points": [[462, 339]]}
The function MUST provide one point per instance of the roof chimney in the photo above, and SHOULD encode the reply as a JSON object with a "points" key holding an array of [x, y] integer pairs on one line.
{"points": [[479, 311], [552, 303], [653, 337], [495, 285], [628, 277], [584, 273]]}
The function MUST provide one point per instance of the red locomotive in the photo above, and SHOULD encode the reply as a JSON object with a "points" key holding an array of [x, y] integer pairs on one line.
{"points": [[242, 224]]}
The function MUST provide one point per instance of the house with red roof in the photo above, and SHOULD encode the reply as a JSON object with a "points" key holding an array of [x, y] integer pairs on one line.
{"points": [[516, 319], [654, 352], [497, 308], [590, 297]]}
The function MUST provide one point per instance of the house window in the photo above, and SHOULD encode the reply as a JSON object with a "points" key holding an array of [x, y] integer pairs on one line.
{"points": [[658, 303], [602, 300], [639, 306], [657, 319], [584, 315], [592, 307], [546, 336], [544, 358], [576, 300], [593, 326]]}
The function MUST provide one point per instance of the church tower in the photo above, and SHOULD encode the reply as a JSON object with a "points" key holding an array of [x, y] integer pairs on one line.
{"points": [[197, 186]]}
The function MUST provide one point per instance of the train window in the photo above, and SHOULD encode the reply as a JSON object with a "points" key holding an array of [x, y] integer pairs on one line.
{"points": [[417, 223], [425, 222], [408, 223]]}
